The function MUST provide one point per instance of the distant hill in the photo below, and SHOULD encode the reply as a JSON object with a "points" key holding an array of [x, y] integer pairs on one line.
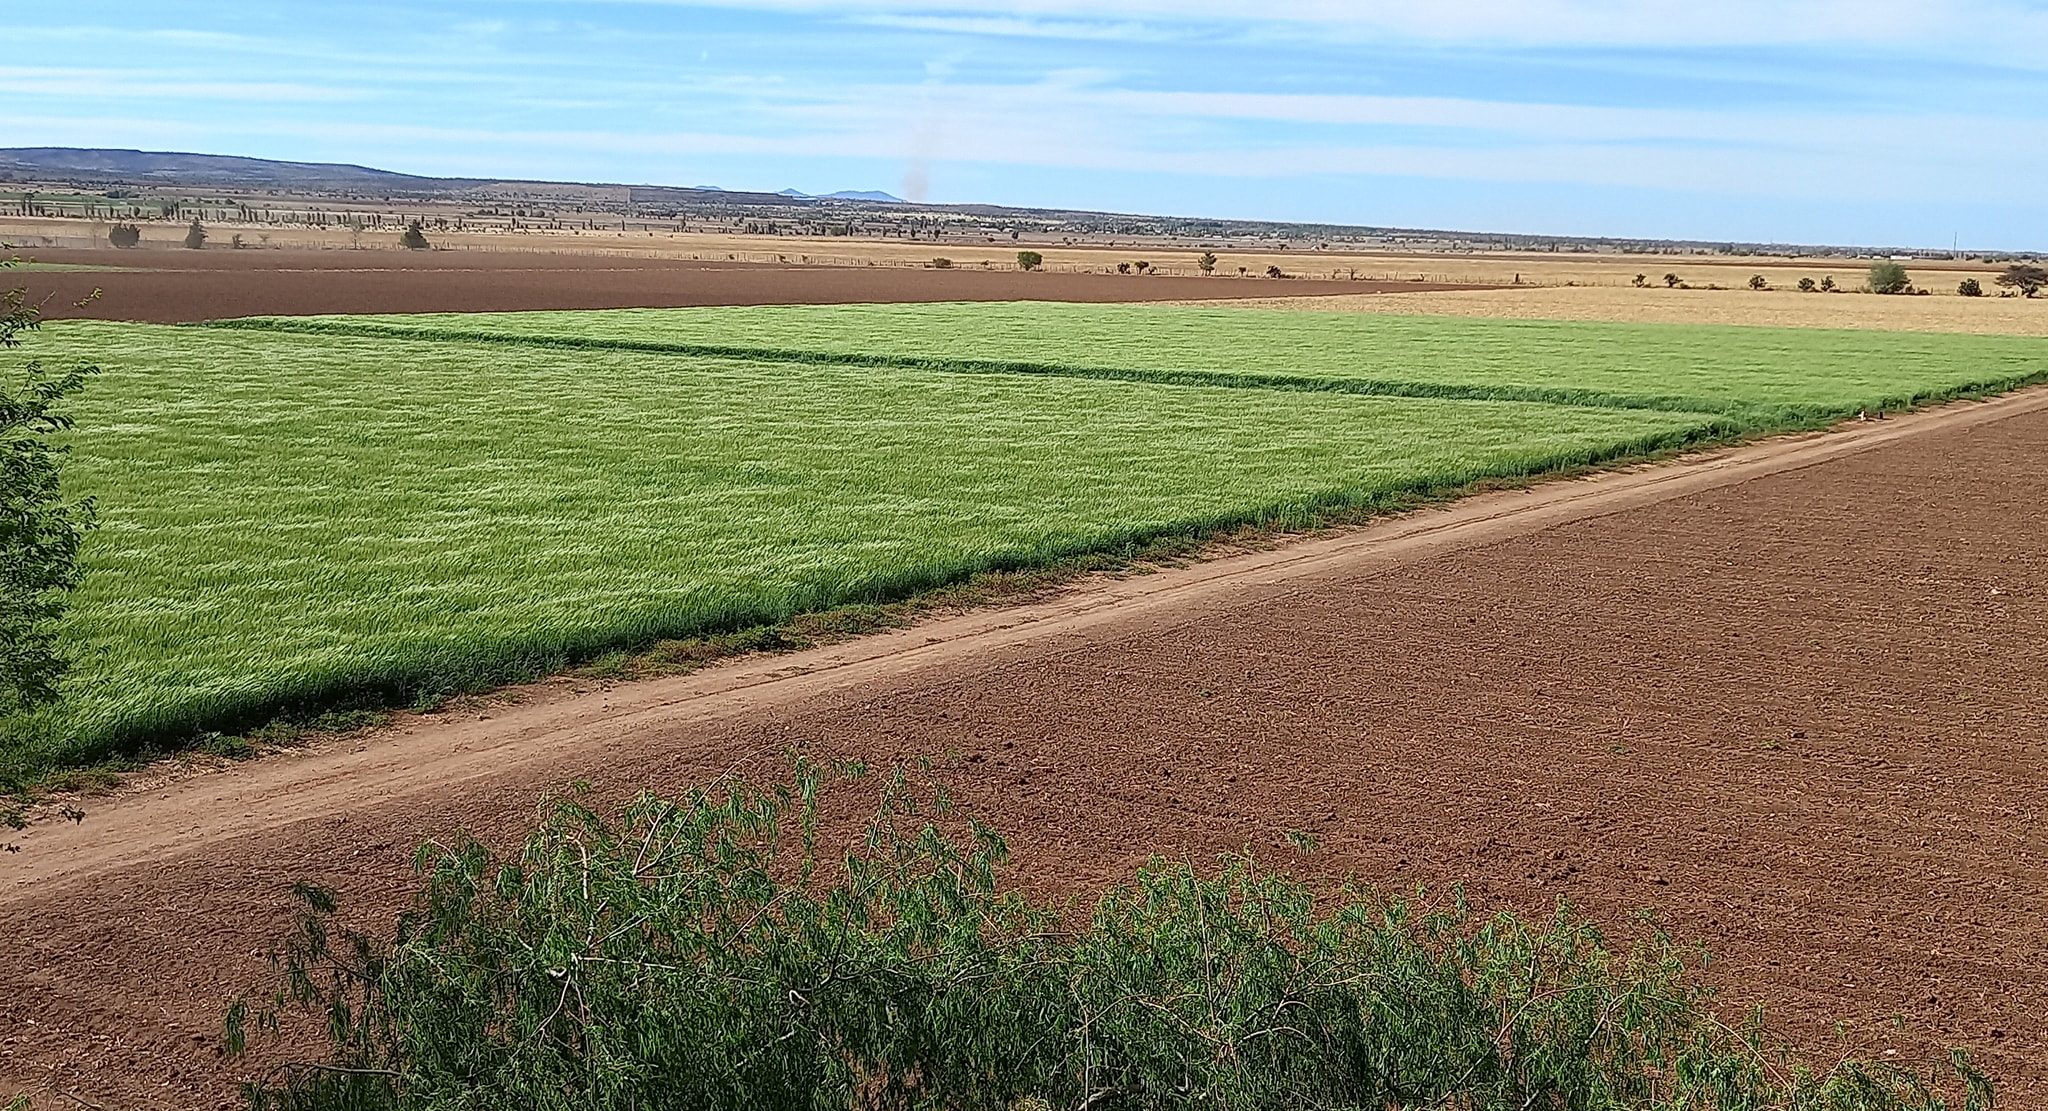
{"points": [[874, 195], [96, 167], [225, 171], [172, 167]]}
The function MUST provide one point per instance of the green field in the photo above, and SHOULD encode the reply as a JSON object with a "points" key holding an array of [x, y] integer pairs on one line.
{"points": [[301, 513], [293, 519], [1762, 376]]}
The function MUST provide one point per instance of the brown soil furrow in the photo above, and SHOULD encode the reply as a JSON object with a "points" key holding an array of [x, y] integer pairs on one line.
{"points": [[181, 286]]}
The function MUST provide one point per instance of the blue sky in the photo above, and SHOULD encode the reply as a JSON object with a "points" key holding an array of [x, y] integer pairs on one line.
{"points": [[1874, 121]]}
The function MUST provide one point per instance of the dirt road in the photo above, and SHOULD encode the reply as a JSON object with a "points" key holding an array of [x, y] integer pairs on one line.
{"points": [[1791, 697], [170, 286]]}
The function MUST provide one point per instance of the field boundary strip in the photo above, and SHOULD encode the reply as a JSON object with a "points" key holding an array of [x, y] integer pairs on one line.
{"points": [[1367, 387]]}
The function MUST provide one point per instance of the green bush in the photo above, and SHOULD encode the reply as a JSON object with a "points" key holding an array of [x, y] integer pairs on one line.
{"points": [[705, 953], [124, 235], [1889, 277], [1970, 287], [414, 237], [1029, 260]]}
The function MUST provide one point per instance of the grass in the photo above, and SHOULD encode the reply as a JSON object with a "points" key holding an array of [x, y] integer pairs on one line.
{"points": [[2011, 316], [293, 521], [1759, 376]]}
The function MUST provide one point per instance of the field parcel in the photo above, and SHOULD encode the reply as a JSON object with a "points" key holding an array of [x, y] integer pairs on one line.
{"points": [[1758, 376], [301, 513]]}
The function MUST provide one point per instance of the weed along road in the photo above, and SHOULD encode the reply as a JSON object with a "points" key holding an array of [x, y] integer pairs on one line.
{"points": [[1786, 696]]}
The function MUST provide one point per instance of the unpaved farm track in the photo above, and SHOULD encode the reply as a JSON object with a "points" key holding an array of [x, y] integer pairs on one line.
{"points": [[1792, 697], [169, 287]]}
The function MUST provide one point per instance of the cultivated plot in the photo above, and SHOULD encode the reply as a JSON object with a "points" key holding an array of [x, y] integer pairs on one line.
{"points": [[1758, 376], [290, 519]]}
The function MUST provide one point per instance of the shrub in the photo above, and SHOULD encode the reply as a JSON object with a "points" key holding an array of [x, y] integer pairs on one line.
{"points": [[1970, 287], [2025, 278], [1029, 260], [415, 236], [124, 235], [1806, 286], [1889, 277], [1275, 272], [1827, 283], [1759, 282], [1670, 281], [1123, 267], [1641, 280], [40, 529], [195, 236], [1141, 266], [704, 952], [1207, 263], [942, 264]]}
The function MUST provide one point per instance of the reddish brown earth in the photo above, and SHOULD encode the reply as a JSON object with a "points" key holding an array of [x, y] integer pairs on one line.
{"points": [[172, 286], [1790, 697]]}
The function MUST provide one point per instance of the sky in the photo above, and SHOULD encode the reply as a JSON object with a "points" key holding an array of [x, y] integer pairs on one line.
{"points": [[1873, 122]]}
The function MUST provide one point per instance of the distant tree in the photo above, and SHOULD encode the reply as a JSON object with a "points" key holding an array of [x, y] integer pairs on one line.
{"points": [[1670, 281], [1970, 287], [415, 237], [1806, 285], [1827, 283], [1123, 267], [942, 264], [2024, 277], [195, 236], [40, 532], [124, 235], [1275, 272], [1029, 260], [1640, 281], [1207, 263], [1141, 266], [1759, 282], [1889, 277], [1243, 270]]}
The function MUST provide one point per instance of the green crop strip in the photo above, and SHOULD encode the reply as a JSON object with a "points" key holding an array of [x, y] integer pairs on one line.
{"points": [[295, 521], [1158, 376], [1759, 378]]}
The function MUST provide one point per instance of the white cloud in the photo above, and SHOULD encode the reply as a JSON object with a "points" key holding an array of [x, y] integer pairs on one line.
{"points": [[2006, 29]]}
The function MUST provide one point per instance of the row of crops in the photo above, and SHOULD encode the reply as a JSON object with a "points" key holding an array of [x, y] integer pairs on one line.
{"points": [[303, 511]]}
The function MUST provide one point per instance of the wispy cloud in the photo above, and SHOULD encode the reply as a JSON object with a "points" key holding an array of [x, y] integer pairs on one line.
{"points": [[1022, 27], [2007, 28]]}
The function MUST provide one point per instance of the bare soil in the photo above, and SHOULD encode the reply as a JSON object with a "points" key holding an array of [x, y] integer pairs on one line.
{"points": [[174, 286], [1788, 697]]}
